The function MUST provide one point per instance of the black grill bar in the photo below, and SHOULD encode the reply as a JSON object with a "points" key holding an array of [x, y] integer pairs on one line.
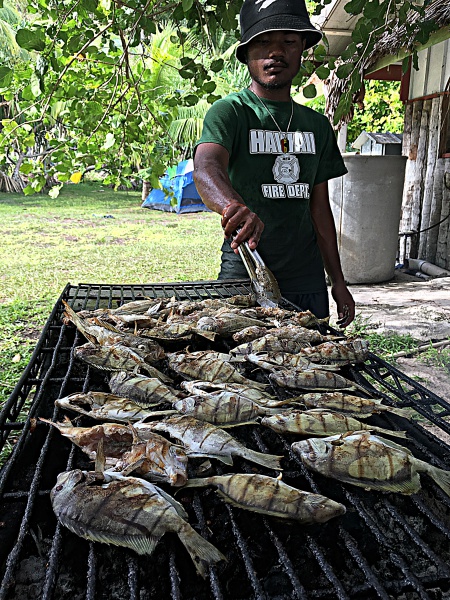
{"points": [[386, 546]]}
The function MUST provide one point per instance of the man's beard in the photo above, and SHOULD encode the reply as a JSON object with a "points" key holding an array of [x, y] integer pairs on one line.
{"points": [[270, 86]]}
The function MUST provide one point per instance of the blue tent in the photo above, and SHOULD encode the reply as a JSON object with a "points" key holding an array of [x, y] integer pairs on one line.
{"points": [[179, 193]]}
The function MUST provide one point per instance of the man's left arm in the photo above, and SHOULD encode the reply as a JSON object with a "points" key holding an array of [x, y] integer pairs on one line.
{"points": [[323, 222]]}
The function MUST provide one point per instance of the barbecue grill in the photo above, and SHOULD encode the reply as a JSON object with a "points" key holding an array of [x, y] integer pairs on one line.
{"points": [[386, 545]]}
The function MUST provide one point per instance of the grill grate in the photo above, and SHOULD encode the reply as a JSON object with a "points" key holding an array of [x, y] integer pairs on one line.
{"points": [[385, 546]]}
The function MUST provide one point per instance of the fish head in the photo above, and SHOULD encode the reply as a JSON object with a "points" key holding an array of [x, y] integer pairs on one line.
{"points": [[185, 405], [78, 399], [313, 450], [324, 508], [66, 482], [176, 467]]}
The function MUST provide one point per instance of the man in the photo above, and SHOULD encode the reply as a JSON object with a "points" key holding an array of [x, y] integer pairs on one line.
{"points": [[263, 162]]}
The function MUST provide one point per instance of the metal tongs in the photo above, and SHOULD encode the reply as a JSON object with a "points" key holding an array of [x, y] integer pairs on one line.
{"points": [[263, 282]]}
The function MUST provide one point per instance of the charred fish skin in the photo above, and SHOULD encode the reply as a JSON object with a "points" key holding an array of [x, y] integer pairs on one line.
{"points": [[313, 379], [107, 407], [155, 459], [368, 461], [215, 370], [221, 408], [128, 512], [342, 353], [271, 496], [203, 439], [116, 438], [148, 391], [349, 404], [322, 422]]}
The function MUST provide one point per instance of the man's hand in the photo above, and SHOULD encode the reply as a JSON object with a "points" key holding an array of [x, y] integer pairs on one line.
{"points": [[344, 303], [237, 215]]}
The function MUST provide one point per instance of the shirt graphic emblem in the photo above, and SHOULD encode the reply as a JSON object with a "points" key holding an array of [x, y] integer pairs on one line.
{"points": [[286, 168]]}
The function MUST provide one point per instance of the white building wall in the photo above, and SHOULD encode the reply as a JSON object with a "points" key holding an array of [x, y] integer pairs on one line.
{"points": [[433, 73]]}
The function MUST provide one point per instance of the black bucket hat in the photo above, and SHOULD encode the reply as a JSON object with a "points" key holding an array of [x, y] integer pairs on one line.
{"points": [[258, 16]]}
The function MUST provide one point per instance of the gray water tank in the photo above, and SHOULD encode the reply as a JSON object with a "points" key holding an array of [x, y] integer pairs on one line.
{"points": [[366, 205]]}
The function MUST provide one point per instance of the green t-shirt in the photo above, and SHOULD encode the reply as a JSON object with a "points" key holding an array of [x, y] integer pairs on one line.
{"points": [[277, 185]]}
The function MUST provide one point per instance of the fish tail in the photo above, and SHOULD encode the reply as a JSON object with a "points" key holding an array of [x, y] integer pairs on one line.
{"points": [[79, 323], [400, 434], [266, 460], [195, 482], [401, 412], [202, 552], [441, 477]]}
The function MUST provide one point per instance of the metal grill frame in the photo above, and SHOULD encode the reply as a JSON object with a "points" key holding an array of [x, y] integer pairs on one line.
{"points": [[329, 577]]}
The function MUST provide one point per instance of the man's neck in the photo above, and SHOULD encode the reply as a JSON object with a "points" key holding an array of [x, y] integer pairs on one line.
{"points": [[280, 94]]}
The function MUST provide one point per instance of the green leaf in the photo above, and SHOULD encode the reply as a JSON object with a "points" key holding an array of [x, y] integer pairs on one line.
{"points": [[187, 5], [186, 73], [374, 10], [26, 168], [405, 64], [190, 99], [6, 75], [355, 81], [343, 71], [209, 86], [310, 91], [28, 191], [322, 72], [354, 7], [31, 40], [216, 65], [320, 52], [35, 85], [343, 107]]}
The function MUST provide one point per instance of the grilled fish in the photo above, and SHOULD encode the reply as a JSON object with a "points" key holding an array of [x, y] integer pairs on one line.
{"points": [[290, 338], [148, 391], [200, 366], [116, 439], [203, 439], [368, 461], [112, 358], [270, 496], [221, 408], [106, 335], [313, 379], [108, 407], [339, 353], [352, 405], [248, 334], [226, 323], [302, 318], [155, 459], [262, 398], [319, 421], [271, 361], [128, 512]]}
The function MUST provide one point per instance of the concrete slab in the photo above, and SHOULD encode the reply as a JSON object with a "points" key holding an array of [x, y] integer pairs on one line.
{"points": [[404, 305]]}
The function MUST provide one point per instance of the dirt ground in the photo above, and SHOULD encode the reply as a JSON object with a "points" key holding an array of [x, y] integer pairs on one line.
{"points": [[409, 305]]}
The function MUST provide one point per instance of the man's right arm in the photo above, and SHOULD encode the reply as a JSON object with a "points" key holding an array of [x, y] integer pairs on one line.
{"points": [[214, 186]]}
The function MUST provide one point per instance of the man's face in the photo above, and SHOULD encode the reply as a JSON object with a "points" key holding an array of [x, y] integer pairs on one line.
{"points": [[274, 58]]}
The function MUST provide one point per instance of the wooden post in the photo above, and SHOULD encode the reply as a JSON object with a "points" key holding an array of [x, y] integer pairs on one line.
{"points": [[412, 142], [431, 210]]}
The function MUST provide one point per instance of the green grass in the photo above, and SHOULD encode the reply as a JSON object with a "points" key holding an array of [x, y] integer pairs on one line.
{"points": [[47, 243]]}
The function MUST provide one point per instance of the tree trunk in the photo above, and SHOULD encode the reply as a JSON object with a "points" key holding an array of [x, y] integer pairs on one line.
{"points": [[413, 117], [431, 204], [443, 241], [146, 187]]}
